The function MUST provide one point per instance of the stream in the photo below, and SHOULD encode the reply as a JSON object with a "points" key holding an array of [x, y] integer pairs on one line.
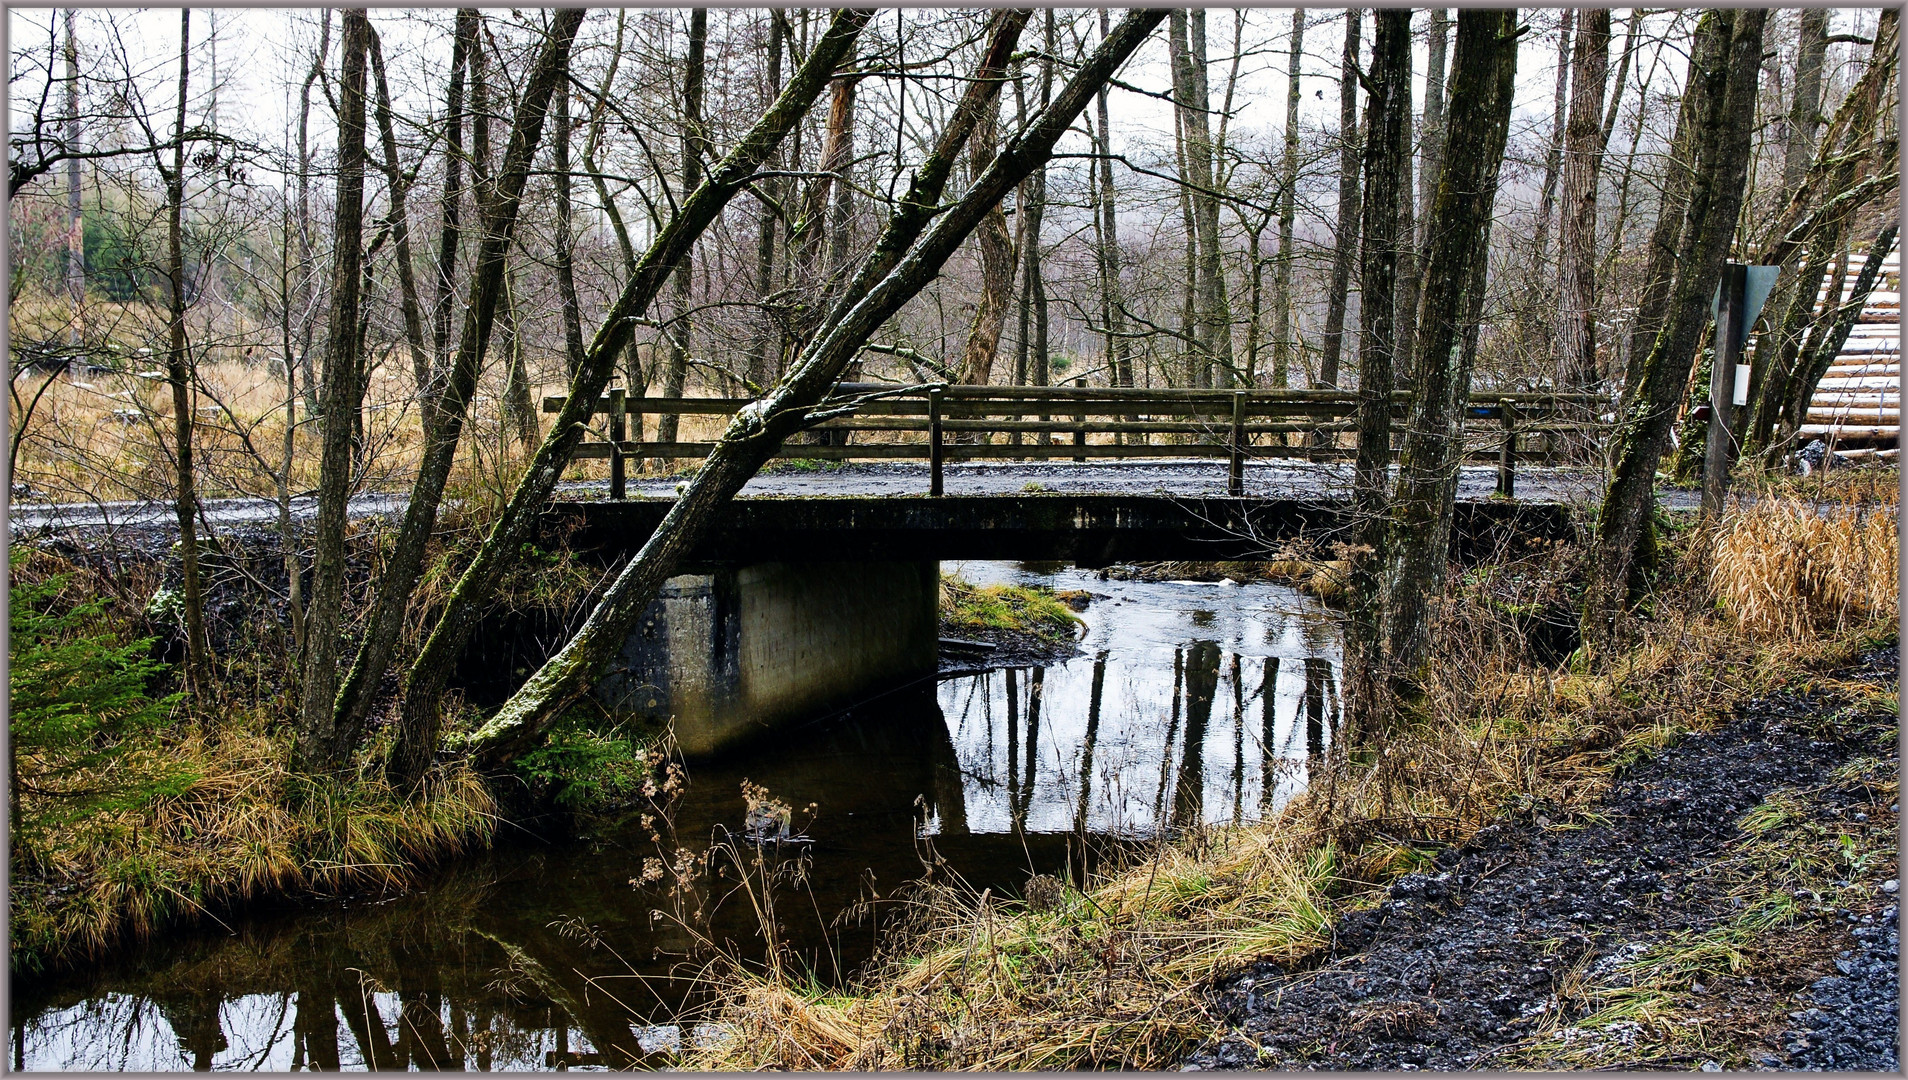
{"points": [[1187, 702]]}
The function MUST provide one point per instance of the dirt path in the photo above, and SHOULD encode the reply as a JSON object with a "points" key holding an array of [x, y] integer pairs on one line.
{"points": [[1729, 904]]}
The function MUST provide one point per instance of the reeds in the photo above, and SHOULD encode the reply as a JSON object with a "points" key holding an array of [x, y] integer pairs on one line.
{"points": [[1791, 568]]}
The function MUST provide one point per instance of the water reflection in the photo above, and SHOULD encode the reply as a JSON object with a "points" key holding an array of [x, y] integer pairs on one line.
{"points": [[1187, 704]]}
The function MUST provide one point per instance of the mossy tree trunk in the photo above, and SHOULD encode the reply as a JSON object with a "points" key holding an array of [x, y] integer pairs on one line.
{"points": [[1484, 76], [1726, 83], [1387, 144], [318, 746]]}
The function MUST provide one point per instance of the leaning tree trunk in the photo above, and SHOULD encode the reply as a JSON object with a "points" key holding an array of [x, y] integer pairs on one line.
{"points": [[424, 683], [1387, 145], [319, 745], [1727, 110], [488, 284], [1826, 343], [1484, 76], [1345, 235], [755, 433], [179, 376], [1582, 161]]}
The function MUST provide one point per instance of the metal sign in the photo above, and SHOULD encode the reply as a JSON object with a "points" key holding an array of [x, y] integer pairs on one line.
{"points": [[1758, 281]]}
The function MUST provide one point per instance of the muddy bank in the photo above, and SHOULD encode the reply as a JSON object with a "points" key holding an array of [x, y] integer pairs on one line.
{"points": [[1730, 903]]}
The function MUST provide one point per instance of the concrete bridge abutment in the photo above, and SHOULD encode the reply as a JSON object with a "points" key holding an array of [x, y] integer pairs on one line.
{"points": [[741, 650]]}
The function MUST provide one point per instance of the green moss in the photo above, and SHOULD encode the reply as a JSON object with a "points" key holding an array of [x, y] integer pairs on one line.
{"points": [[1004, 609]]}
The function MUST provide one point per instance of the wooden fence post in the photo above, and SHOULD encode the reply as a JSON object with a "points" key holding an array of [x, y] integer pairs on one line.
{"points": [[1507, 455], [618, 431], [1079, 433], [935, 453], [1235, 473]]}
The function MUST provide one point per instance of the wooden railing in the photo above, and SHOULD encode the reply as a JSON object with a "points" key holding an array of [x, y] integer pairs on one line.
{"points": [[960, 423]]}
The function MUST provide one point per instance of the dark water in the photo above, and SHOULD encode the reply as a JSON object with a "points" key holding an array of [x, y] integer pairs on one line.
{"points": [[1191, 702]]}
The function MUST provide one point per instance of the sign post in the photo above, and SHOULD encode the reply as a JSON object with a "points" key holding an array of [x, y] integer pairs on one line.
{"points": [[1739, 300]]}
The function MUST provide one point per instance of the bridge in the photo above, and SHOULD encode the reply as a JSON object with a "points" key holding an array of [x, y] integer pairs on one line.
{"points": [[823, 588]]}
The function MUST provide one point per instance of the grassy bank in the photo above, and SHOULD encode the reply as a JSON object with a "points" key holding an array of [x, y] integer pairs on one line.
{"points": [[137, 806], [1112, 974], [1005, 612]]}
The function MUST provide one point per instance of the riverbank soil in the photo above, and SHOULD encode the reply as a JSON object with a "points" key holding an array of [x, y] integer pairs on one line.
{"points": [[1730, 903]]}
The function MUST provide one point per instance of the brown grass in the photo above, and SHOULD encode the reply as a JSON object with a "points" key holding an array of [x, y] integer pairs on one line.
{"points": [[1789, 568]]}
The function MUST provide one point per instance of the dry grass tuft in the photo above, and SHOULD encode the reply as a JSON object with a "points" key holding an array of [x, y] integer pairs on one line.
{"points": [[1786, 568]]}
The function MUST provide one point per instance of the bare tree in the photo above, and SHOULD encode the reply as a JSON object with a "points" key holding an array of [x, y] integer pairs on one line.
{"points": [[1284, 346], [1484, 77], [678, 332], [179, 375], [897, 270], [1345, 234], [1582, 162], [318, 746], [1387, 145], [419, 708]]}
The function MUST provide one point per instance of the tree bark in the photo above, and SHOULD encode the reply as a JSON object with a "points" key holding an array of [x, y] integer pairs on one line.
{"points": [[758, 429], [319, 745], [1284, 346], [307, 323], [1484, 77], [179, 375], [1387, 146], [75, 220], [419, 708], [397, 188], [564, 247], [768, 331], [1727, 93], [1553, 155], [996, 264], [678, 332], [1582, 162], [463, 47], [1431, 132], [1709, 41], [500, 212], [1805, 108], [1345, 236]]}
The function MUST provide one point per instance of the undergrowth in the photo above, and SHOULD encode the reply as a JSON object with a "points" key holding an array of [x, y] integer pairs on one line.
{"points": [[1111, 973]]}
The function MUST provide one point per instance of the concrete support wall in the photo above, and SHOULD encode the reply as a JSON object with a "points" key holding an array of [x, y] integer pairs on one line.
{"points": [[739, 651]]}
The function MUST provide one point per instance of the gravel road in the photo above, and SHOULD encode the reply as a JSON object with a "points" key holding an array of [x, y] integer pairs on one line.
{"points": [[1270, 479]]}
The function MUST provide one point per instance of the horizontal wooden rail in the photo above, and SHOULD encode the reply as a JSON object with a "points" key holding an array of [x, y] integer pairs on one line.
{"points": [[957, 421]]}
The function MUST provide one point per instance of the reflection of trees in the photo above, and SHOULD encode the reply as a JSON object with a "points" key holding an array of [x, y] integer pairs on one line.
{"points": [[1087, 744], [1202, 685]]}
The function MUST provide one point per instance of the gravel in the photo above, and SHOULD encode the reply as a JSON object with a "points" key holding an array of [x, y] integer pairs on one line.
{"points": [[1852, 1021]]}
